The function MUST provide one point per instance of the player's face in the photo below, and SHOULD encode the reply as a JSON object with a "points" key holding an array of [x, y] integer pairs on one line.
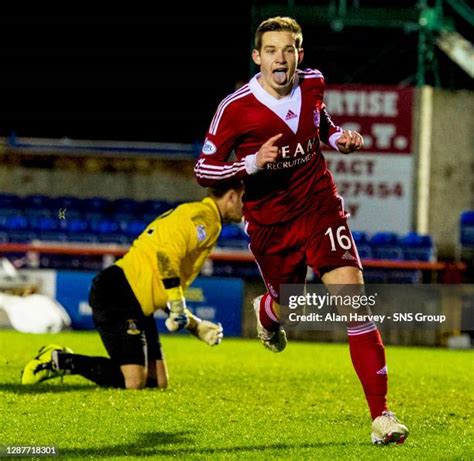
{"points": [[278, 59]]}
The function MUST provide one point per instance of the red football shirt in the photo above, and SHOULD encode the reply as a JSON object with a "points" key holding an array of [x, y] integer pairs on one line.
{"points": [[246, 119]]}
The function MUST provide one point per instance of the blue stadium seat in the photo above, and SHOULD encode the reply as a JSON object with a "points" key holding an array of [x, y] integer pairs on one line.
{"points": [[71, 205], [77, 230], [17, 228], [417, 247], [82, 237], [47, 228], [16, 222], [22, 236], [124, 208], [361, 240], [52, 236], [95, 207], [467, 229], [107, 231], [150, 209], [104, 226], [386, 245], [43, 223], [9, 203], [74, 225], [37, 204], [233, 236], [132, 228]]}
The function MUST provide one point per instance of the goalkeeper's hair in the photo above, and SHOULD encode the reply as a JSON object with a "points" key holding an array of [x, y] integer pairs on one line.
{"points": [[223, 187], [279, 24]]}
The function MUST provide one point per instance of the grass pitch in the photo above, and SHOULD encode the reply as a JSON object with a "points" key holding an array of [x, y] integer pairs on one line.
{"points": [[239, 401]]}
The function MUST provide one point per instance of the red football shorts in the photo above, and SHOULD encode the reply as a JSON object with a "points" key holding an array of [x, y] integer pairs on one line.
{"points": [[319, 239]]}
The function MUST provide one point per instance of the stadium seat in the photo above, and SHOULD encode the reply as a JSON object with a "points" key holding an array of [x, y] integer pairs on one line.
{"points": [[107, 231], [467, 228], [95, 207], [47, 228], [22, 236], [124, 208], [233, 236], [150, 209], [43, 223], [465, 249], [361, 240], [9, 203], [17, 228], [386, 245], [36, 205], [417, 247], [132, 228], [16, 222], [77, 230], [74, 225], [71, 205], [52, 236], [82, 237]]}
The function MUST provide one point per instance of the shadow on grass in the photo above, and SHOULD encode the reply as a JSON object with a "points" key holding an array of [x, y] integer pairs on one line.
{"points": [[159, 443], [44, 388]]}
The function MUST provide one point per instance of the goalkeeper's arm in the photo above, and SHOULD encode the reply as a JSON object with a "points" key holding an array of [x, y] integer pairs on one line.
{"points": [[176, 303]]}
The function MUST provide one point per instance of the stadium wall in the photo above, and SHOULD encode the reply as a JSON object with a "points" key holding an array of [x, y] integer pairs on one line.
{"points": [[452, 166], [140, 178]]}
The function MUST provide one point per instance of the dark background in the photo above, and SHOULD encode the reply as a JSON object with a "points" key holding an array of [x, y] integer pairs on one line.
{"points": [[150, 75]]}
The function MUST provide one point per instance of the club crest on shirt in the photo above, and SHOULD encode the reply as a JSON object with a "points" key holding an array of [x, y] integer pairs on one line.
{"points": [[209, 147], [201, 232], [316, 118], [132, 327]]}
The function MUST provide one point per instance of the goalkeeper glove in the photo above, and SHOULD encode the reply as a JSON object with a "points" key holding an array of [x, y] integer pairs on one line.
{"points": [[209, 332], [176, 306]]}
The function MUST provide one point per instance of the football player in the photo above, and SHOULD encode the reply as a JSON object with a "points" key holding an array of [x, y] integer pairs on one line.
{"points": [[161, 263]]}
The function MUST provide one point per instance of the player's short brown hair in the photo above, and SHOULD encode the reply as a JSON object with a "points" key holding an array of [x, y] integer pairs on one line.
{"points": [[279, 23], [222, 188]]}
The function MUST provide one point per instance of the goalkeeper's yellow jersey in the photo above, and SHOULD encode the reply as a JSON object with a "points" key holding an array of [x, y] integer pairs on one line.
{"points": [[187, 234]]}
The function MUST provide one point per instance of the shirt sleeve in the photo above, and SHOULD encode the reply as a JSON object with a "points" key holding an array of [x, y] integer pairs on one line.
{"points": [[213, 166], [329, 132]]}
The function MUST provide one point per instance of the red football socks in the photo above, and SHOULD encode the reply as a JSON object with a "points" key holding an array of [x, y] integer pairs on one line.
{"points": [[368, 358], [268, 317]]}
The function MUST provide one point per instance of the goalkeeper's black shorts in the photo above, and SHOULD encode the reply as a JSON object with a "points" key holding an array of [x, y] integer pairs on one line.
{"points": [[128, 335]]}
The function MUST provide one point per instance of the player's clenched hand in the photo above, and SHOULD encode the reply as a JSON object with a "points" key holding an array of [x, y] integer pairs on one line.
{"points": [[268, 152], [209, 332], [349, 141]]}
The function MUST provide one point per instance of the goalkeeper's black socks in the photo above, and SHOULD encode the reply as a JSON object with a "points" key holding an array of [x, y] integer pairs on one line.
{"points": [[100, 370]]}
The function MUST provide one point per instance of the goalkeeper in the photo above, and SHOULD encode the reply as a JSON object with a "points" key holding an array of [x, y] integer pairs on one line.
{"points": [[164, 260]]}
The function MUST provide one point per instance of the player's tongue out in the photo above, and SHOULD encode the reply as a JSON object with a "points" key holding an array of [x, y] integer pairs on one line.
{"points": [[280, 76]]}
